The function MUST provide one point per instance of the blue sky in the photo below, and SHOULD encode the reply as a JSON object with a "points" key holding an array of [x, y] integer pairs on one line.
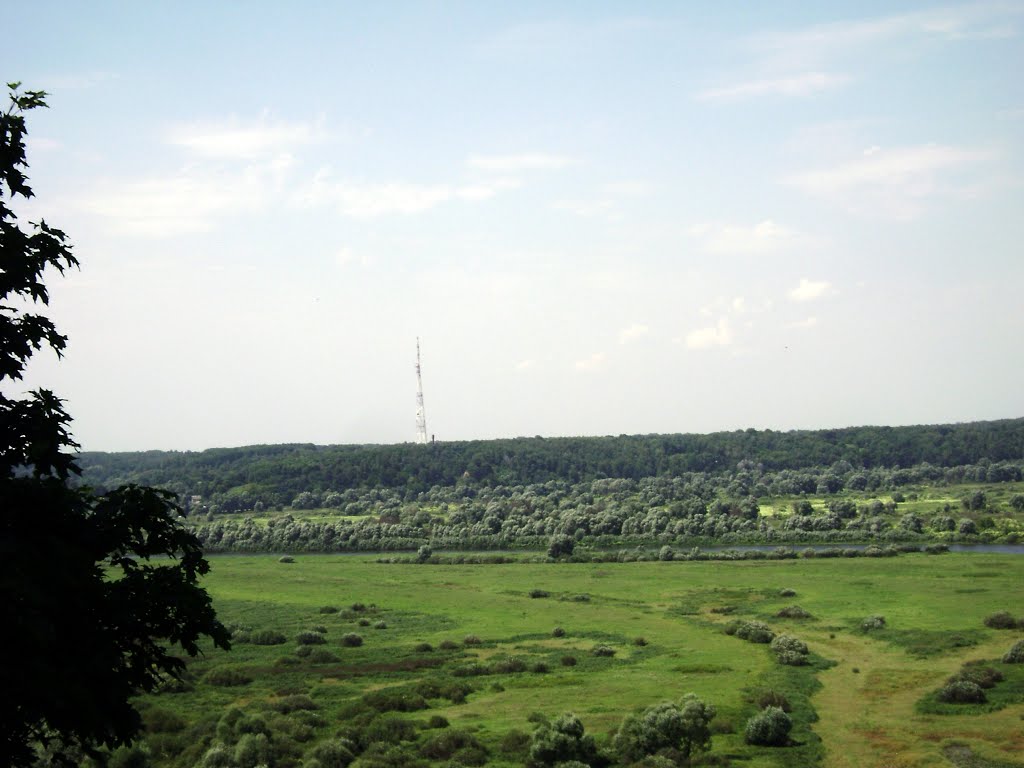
{"points": [[599, 218]]}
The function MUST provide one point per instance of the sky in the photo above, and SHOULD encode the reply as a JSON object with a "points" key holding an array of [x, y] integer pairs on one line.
{"points": [[598, 218]]}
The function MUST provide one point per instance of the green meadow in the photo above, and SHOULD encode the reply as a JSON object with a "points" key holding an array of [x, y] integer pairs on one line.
{"points": [[862, 700]]}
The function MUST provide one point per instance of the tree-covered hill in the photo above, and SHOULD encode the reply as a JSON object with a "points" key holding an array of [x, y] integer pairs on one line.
{"points": [[286, 470]]}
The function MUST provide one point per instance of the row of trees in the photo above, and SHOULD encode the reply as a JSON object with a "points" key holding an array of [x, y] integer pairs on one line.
{"points": [[745, 481], [292, 469], [525, 521]]}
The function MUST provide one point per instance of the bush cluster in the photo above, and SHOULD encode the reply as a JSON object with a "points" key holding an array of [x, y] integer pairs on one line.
{"points": [[267, 637], [793, 612], [225, 677], [873, 622], [961, 691], [768, 728], [752, 631], [1016, 654], [790, 650], [1003, 620]]}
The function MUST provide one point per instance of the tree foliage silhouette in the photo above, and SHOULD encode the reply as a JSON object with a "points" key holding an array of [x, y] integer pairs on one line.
{"points": [[95, 590]]}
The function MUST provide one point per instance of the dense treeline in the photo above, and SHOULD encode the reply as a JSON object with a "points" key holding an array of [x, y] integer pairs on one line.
{"points": [[692, 509], [277, 473]]}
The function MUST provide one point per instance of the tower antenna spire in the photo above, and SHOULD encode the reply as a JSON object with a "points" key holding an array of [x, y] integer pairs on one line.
{"points": [[421, 414]]}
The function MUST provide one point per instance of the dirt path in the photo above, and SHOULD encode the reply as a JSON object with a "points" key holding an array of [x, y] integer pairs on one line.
{"points": [[867, 717]]}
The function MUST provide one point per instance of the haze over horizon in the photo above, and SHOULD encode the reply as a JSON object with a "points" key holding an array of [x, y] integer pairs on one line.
{"points": [[599, 220]]}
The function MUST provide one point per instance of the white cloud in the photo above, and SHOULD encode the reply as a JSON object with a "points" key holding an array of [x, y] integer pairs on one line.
{"points": [[528, 161], [764, 237], [893, 182], [36, 144], [633, 332], [185, 202], [592, 363], [361, 199], [809, 46], [714, 336], [803, 84], [808, 322], [585, 208], [524, 365], [809, 290], [232, 139]]}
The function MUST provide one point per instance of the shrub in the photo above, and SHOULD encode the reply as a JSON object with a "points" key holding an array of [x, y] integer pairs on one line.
{"points": [[768, 728], [770, 698], [437, 721], [267, 637], [303, 651], [226, 677], [580, 598], [365, 622], [983, 677], [381, 624], [252, 749], [961, 692], [294, 703], [640, 641], [351, 640], [471, 640], [754, 632], [787, 593], [684, 728], [321, 656], [791, 659], [514, 743], [286, 559], [1001, 620], [390, 729], [310, 638], [448, 645], [394, 700], [568, 661], [423, 648], [357, 607], [603, 650], [539, 593], [509, 666], [320, 628], [789, 643], [561, 741], [333, 753], [793, 612], [444, 745], [328, 609], [539, 667], [873, 622], [1016, 654], [790, 650], [558, 632]]}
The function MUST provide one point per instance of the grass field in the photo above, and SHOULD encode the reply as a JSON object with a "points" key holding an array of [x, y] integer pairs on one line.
{"points": [[856, 704]]}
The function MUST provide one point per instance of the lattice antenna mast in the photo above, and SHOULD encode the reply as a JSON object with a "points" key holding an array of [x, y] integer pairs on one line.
{"points": [[421, 414]]}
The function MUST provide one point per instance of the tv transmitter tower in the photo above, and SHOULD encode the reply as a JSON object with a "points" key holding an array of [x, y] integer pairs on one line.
{"points": [[421, 414]]}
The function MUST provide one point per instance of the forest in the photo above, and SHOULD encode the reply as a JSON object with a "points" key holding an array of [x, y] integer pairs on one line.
{"points": [[882, 485], [276, 473]]}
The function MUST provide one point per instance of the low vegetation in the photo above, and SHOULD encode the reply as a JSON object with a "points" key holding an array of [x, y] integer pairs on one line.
{"points": [[472, 670]]}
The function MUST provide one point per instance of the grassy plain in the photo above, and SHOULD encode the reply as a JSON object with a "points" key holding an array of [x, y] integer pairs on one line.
{"points": [[856, 705]]}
